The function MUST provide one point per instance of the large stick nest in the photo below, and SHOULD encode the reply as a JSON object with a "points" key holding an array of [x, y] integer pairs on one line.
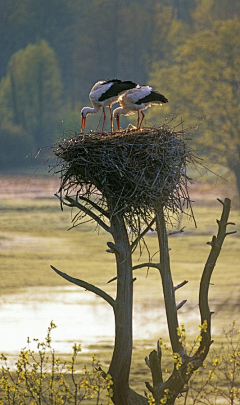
{"points": [[129, 172]]}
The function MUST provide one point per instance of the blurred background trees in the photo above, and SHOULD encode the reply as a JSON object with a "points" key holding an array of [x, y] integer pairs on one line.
{"points": [[31, 90], [53, 52], [203, 84]]}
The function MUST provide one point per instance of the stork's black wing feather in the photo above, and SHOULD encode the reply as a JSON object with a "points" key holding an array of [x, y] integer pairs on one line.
{"points": [[117, 88], [150, 98]]}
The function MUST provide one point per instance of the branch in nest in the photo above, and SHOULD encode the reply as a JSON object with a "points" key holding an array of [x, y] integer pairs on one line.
{"points": [[142, 234], [94, 205], [91, 214]]}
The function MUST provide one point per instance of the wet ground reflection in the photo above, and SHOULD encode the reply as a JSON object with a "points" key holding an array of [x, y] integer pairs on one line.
{"points": [[80, 317]]}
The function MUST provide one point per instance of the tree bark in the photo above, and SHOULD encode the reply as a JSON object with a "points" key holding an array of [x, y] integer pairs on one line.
{"points": [[121, 360], [167, 283]]}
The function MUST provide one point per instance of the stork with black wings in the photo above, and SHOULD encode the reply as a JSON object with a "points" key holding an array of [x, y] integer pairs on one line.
{"points": [[138, 99], [104, 94]]}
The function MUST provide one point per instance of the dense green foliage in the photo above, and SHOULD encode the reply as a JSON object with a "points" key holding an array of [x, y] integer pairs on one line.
{"points": [[52, 53]]}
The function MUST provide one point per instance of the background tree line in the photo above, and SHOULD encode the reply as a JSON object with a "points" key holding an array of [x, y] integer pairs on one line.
{"points": [[52, 52]]}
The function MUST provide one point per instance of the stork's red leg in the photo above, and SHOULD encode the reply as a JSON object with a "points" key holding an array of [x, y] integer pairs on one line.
{"points": [[138, 121], [118, 123], [111, 119], [143, 115], [104, 117]]}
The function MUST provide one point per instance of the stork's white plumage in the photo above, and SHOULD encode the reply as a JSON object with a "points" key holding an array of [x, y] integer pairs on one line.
{"points": [[104, 94], [137, 99]]}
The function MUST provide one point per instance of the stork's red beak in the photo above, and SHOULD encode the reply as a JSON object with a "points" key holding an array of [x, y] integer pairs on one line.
{"points": [[83, 124]]}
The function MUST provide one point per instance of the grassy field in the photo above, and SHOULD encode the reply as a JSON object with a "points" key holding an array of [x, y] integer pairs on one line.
{"points": [[34, 235]]}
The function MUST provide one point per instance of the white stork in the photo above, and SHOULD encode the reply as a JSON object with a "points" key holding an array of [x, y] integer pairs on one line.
{"points": [[104, 94], [137, 99]]}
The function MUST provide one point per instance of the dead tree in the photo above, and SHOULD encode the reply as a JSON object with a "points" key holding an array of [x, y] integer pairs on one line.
{"points": [[128, 184]]}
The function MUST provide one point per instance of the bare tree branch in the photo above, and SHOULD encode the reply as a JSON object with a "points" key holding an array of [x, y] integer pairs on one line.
{"points": [[94, 205], [175, 232], [141, 235], [87, 286], [155, 366], [139, 266], [112, 279], [180, 285], [75, 203], [180, 305], [153, 265], [216, 245], [147, 361], [113, 248], [62, 201]]}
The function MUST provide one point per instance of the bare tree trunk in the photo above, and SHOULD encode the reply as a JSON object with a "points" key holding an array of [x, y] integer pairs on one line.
{"points": [[121, 360], [167, 283]]}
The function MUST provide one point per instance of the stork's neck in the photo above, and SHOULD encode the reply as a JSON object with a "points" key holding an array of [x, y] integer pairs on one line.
{"points": [[120, 111], [90, 110]]}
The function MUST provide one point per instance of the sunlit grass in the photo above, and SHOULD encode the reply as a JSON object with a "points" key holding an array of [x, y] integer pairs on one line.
{"points": [[34, 235]]}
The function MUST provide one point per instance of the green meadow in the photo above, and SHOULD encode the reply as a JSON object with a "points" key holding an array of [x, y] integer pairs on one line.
{"points": [[35, 234]]}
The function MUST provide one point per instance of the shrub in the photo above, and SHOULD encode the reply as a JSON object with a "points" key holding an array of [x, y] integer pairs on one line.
{"points": [[42, 378]]}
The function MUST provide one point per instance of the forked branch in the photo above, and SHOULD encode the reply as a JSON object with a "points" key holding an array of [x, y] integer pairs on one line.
{"points": [[177, 382]]}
